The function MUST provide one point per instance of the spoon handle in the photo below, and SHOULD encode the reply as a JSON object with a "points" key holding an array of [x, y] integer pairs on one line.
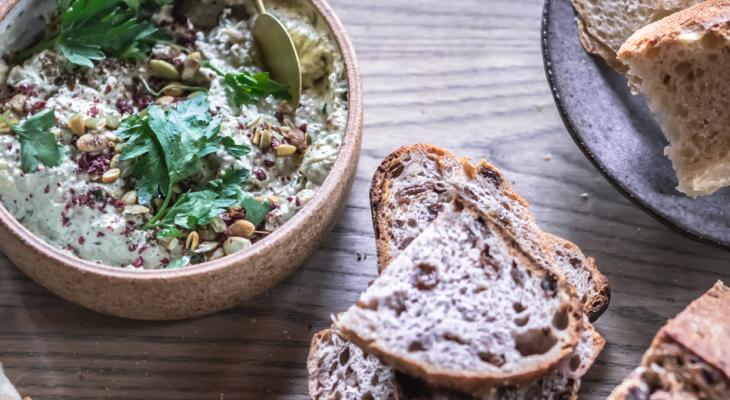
{"points": [[259, 6]]}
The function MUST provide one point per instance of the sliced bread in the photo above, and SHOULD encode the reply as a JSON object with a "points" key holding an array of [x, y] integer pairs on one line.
{"points": [[689, 357], [339, 370], [465, 307], [679, 64], [416, 182], [604, 25]]}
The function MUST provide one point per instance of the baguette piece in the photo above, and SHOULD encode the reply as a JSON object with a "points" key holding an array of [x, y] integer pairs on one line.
{"points": [[679, 64], [464, 307], [327, 381], [415, 183], [340, 370], [604, 25], [690, 356]]}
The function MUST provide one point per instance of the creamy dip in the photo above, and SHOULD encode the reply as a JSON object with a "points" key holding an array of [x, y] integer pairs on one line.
{"points": [[73, 209]]}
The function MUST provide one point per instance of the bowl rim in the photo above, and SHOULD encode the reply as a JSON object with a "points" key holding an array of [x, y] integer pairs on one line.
{"points": [[348, 149]]}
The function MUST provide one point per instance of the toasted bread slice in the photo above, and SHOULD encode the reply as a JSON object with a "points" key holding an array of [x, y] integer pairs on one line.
{"points": [[465, 307], [358, 376], [679, 64], [340, 370], [605, 25], [415, 183], [689, 357]]}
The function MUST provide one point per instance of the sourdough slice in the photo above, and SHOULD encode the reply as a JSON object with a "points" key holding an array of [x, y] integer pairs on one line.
{"points": [[464, 307], [679, 63], [562, 383], [340, 370], [416, 182], [604, 25], [690, 356]]}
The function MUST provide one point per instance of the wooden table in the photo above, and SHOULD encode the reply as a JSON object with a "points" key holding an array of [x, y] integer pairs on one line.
{"points": [[463, 74]]}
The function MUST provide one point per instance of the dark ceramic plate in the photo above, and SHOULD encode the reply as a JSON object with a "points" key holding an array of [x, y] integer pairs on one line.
{"points": [[617, 133]]}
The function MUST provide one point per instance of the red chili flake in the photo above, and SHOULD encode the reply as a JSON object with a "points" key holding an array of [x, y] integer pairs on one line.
{"points": [[81, 240], [279, 116], [93, 164], [132, 247], [26, 88], [269, 163], [100, 234], [37, 106], [107, 89], [303, 127], [125, 106], [138, 262], [143, 248], [93, 111], [289, 199], [47, 189], [164, 261], [260, 174], [297, 202], [65, 221]]}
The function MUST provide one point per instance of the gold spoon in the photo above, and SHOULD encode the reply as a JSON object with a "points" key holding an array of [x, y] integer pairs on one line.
{"points": [[277, 52]]}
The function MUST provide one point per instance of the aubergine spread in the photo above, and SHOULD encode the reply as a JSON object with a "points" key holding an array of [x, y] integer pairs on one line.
{"points": [[148, 134]]}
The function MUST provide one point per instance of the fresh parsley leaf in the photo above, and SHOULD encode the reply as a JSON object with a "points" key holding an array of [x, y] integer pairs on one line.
{"points": [[229, 186], [166, 147], [91, 30], [236, 150], [179, 263], [249, 88], [246, 88], [193, 209], [200, 208], [37, 144]]}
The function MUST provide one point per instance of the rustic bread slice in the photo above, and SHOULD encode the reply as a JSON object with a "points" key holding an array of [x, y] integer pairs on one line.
{"points": [[690, 356], [679, 64], [416, 182], [464, 307], [604, 25], [340, 370], [337, 369]]}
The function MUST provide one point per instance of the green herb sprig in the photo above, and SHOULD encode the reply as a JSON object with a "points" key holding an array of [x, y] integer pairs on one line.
{"points": [[91, 30], [37, 144], [167, 147], [249, 88]]}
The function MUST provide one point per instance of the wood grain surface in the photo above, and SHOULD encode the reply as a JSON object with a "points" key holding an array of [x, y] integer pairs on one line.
{"points": [[466, 75]]}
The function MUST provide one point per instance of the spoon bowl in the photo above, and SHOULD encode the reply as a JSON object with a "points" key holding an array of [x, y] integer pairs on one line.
{"points": [[278, 52]]}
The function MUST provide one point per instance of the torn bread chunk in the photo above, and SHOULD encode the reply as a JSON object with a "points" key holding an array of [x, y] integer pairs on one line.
{"points": [[416, 182], [679, 64], [689, 357], [465, 307], [604, 25]]}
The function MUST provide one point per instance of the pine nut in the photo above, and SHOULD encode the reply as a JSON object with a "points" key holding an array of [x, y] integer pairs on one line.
{"points": [[111, 176]]}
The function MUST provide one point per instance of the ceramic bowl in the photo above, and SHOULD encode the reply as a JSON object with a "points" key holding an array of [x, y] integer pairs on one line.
{"points": [[202, 288]]}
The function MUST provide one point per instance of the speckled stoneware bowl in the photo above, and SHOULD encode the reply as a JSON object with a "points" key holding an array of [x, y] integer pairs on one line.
{"points": [[203, 288]]}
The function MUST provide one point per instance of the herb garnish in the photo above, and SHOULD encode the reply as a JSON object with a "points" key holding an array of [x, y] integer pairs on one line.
{"points": [[91, 30], [249, 88], [37, 144], [167, 147]]}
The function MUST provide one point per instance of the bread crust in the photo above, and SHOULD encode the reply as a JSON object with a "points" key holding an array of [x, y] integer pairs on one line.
{"points": [[379, 195], [700, 330], [710, 16], [479, 383], [593, 45], [704, 328]]}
